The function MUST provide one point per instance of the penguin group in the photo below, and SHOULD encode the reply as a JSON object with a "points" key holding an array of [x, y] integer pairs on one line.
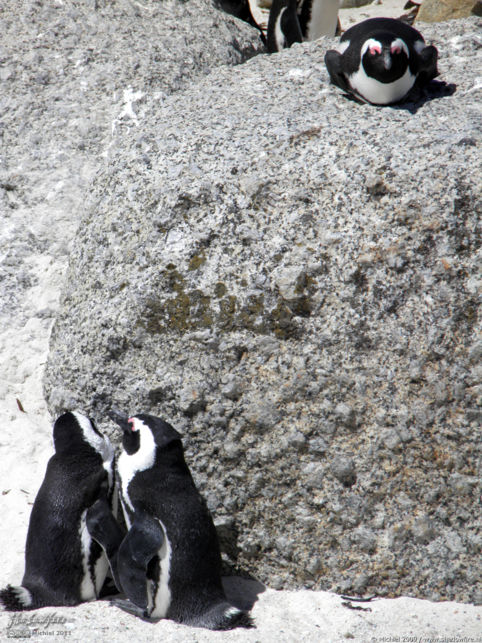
{"points": [[166, 562], [378, 60]]}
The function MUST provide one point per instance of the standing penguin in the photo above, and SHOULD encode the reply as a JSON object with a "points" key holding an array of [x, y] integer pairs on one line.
{"points": [[293, 21], [283, 25], [169, 563], [63, 565], [380, 59]]}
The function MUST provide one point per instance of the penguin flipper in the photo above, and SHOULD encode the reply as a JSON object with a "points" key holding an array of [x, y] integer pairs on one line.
{"points": [[130, 608], [143, 541], [105, 529], [333, 62], [290, 25], [428, 64]]}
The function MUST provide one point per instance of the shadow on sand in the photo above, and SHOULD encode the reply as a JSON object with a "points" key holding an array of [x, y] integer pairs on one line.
{"points": [[242, 592]]}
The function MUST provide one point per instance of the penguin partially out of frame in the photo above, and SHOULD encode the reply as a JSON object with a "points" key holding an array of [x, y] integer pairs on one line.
{"points": [[169, 563], [293, 21], [379, 60], [63, 564]]}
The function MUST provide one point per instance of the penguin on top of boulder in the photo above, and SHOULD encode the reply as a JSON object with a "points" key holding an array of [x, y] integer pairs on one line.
{"points": [[379, 60]]}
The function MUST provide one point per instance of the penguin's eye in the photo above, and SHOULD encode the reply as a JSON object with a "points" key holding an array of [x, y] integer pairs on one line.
{"points": [[396, 49], [374, 49], [132, 423]]}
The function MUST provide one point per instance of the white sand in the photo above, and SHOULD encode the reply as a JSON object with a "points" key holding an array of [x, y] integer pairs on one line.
{"points": [[26, 445]]}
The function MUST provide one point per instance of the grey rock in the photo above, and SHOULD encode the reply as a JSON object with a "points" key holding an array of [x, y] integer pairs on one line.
{"points": [[344, 470], [344, 311], [233, 389], [423, 529], [365, 539]]}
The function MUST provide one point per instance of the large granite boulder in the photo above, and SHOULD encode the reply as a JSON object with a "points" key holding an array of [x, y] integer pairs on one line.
{"points": [[69, 72], [291, 279], [438, 10]]}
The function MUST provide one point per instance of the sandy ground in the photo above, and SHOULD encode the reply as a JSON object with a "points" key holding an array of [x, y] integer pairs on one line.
{"points": [[26, 445]]}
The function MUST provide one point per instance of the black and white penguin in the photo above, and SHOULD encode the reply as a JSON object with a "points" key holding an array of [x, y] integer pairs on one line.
{"points": [[293, 21], [318, 18], [63, 564], [169, 563], [379, 60], [283, 25]]}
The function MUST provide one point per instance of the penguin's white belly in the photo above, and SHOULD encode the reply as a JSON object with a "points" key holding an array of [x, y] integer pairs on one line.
{"points": [[278, 32], [87, 587], [160, 599], [381, 93], [324, 18]]}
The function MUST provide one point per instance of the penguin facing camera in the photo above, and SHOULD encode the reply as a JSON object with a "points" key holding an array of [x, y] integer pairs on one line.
{"points": [[168, 564], [63, 564], [379, 60], [293, 21]]}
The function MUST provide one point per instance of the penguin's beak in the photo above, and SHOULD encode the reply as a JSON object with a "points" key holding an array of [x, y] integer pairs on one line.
{"points": [[387, 59], [119, 419]]}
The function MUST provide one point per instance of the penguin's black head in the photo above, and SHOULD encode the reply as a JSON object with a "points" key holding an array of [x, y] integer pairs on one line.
{"points": [[144, 432], [76, 433], [384, 57]]}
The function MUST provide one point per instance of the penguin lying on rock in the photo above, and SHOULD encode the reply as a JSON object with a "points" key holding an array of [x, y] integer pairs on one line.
{"points": [[168, 564], [63, 565], [379, 60]]}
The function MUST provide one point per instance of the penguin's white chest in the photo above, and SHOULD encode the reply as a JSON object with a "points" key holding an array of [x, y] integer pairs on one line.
{"points": [[158, 592], [129, 465], [379, 93], [93, 574]]}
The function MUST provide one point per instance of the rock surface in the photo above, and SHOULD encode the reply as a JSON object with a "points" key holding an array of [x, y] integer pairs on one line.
{"points": [[291, 279], [439, 10], [69, 73]]}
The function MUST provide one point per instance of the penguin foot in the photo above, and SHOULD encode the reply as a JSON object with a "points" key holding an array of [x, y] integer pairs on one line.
{"points": [[16, 599], [223, 616], [128, 606]]}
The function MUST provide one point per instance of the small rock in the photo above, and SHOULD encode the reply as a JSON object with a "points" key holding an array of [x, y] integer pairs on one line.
{"points": [[365, 539], [344, 470], [233, 389], [462, 485], [191, 400], [346, 414], [423, 530], [391, 439]]}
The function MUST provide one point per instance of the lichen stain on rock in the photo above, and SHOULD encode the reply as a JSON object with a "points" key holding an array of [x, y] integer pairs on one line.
{"points": [[196, 261], [189, 310]]}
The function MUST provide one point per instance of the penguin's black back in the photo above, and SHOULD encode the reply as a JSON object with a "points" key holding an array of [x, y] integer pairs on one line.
{"points": [[368, 28], [53, 562]]}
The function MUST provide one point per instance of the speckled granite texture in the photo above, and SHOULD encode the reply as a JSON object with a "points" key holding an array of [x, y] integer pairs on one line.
{"points": [[292, 279]]}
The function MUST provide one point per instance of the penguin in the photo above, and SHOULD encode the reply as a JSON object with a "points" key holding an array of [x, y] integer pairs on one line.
{"points": [[63, 564], [318, 18], [283, 25], [169, 563], [240, 9], [293, 21], [379, 60]]}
